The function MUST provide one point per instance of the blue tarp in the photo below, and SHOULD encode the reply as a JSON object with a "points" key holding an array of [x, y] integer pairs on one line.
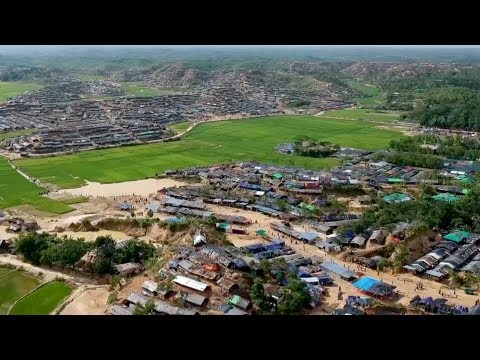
{"points": [[337, 269], [365, 283]]}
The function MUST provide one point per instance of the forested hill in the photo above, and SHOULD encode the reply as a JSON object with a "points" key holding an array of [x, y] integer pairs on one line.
{"points": [[449, 108]]}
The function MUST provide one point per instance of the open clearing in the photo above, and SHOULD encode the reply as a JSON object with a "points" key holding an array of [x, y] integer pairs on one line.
{"points": [[89, 302], [137, 89], [181, 127], [215, 142], [14, 285], [364, 114], [139, 187], [16, 190], [44, 300], [13, 88]]}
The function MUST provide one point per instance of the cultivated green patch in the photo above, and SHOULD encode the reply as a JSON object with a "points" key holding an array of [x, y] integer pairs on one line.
{"points": [[75, 200], [137, 89], [14, 285], [43, 300], [364, 114], [207, 144], [14, 88], [16, 190], [12, 134], [181, 127]]}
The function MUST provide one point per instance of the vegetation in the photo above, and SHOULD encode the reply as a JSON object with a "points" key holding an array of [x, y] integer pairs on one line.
{"points": [[425, 212], [258, 296], [180, 127], [412, 159], [298, 103], [294, 297], [16, 190], [13, 88], [50, 250], [306, 146], [14, 285], [148, 309], [454, 147], [75, 200], [43, 300], [215, 142], [364, 114], [15, 133], [449, 108], [137, 89]]}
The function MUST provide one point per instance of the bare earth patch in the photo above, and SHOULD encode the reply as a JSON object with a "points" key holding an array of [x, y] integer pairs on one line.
{"points": [[139, 187], [89, 302]]}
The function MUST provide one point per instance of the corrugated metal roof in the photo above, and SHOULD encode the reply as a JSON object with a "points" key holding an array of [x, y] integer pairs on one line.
{"points": [[337, 269], [190, 283]]}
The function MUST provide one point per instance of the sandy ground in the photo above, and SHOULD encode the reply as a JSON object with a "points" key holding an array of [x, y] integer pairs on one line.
{"points": [[405, 283], [139, 187], [4, 234], [88, 302]]}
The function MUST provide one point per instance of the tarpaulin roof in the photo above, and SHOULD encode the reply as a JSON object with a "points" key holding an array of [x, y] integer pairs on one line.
{"points": [[261, 232], [457, 236], [337, 269], [446, 197], [396, 197], [365, 283]]}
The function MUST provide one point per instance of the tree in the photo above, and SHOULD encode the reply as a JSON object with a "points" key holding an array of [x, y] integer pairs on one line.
{"points": [[257, 294], [112, 298], [150, 213], [32, 245], [148, 309], [455, 279], [294, 297], [402, 256], [65, 253]]}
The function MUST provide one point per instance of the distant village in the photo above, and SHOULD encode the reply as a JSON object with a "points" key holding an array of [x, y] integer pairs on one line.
{"points": [[66, 116]]}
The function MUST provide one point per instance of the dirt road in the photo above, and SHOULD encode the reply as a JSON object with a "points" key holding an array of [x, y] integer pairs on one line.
{"points": [[48, 275]]}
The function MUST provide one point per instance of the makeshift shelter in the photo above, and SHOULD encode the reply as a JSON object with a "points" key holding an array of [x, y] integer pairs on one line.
{"points": [[445, 197], [458, 236], [374, 287], [261, 233], [396, 198], [336, 269], [199, 239]]}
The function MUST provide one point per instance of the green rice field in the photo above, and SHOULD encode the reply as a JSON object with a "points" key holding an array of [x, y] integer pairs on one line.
{"points": [[13, 285], [137, 89], [43, 300], [364, 114], [210, 143], [16, 190], [14, 88]]}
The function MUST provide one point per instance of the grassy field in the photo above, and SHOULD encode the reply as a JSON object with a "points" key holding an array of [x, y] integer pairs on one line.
{"points": [[14, 88], [210, 143], [44, 300], [16, 190], [137, 89], [364, 114], [371, 94], [75, 200], [11, 134], [181, 127], [13, 286]]}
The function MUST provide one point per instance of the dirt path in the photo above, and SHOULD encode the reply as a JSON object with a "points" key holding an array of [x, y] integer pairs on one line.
{"points": [[48, 275], [406, 284]]}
